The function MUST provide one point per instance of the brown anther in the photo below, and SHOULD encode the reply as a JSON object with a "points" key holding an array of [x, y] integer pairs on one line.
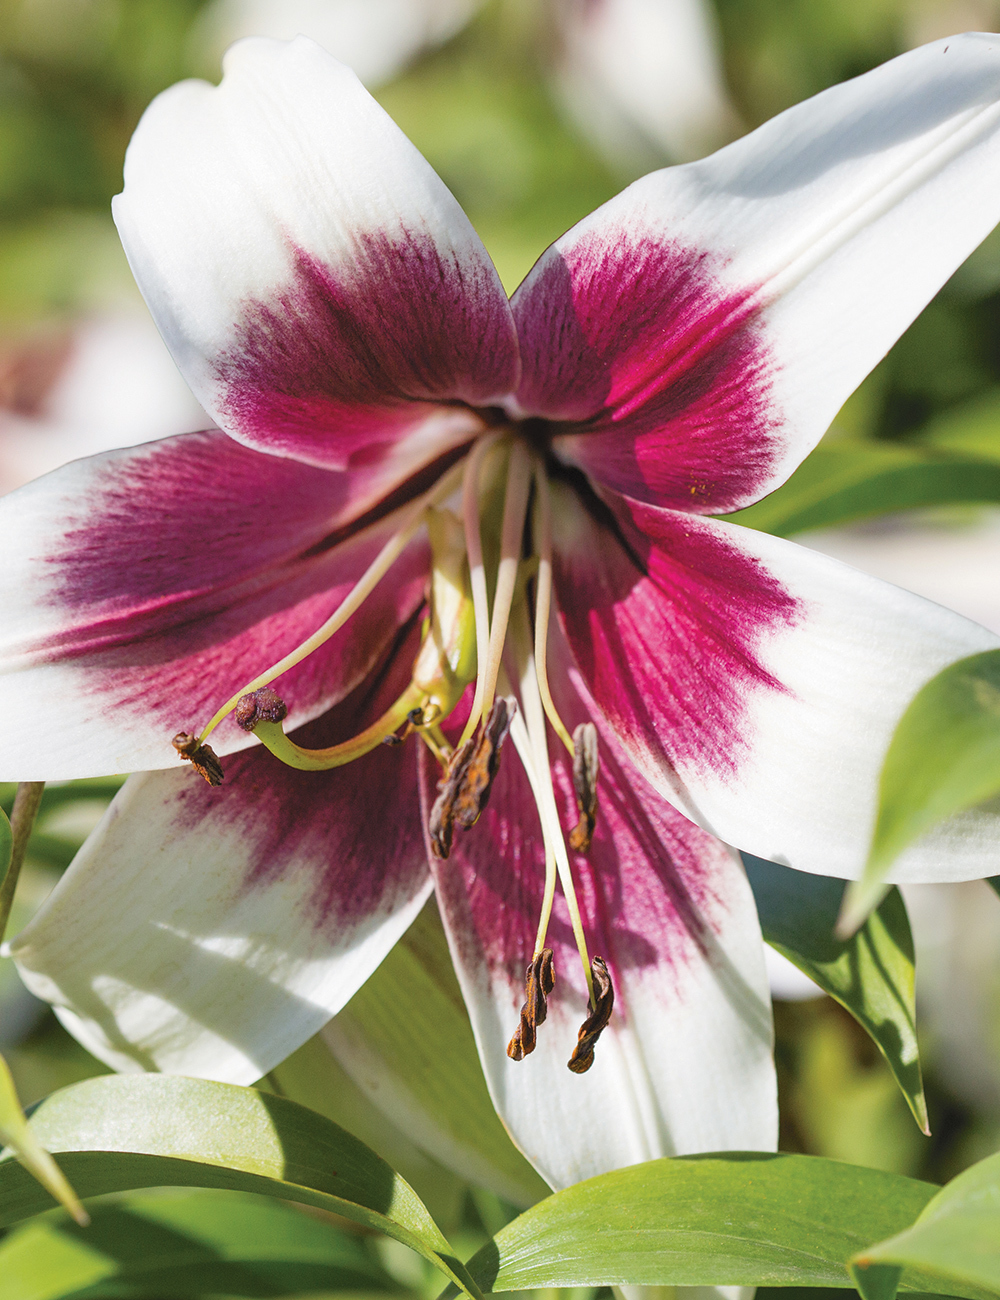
{"points": [[264, 705], [415, 717], [585, 764], [465, 790], [392, 739], [539, 982], [202, 758], [596, 1022]]}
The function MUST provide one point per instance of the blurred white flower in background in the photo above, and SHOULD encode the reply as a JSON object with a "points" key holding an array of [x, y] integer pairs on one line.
{"points": [[102, 382], [377, 38], [643, 79]]}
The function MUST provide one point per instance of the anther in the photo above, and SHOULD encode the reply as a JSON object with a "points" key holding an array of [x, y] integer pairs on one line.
{"points": [[539, 982], [264, 705], [465, 790], [600, 1007], [202, 758], [585, 763]]}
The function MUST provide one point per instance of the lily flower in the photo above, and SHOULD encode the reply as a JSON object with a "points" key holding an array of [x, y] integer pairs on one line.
{"points": [[482, 531]]}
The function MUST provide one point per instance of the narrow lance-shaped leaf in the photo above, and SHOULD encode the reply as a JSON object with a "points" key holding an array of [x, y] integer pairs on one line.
{"points": [[16, 1133], [733, 1219], [955, 1242], [944, 757], [871, 974], [122, 1132], [186, 1243], [843, 481], [406, 1040]]}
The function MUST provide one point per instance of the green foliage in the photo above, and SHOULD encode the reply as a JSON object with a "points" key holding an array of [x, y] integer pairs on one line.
{"points": [[734, 1219], [944, 757], [24, 1144], [124, 1132], [184, 1243], [843, 481], [954, 1242], [408, 1029], [871, 973]]}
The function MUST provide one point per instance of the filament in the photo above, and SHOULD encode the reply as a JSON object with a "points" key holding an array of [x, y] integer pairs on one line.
{"points": [[534, 717], [515, 506], [477, 570], [542, 530], [361, 590]]}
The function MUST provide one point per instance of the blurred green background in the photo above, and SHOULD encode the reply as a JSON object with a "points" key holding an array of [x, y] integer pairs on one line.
{"points": [[486, 108]]}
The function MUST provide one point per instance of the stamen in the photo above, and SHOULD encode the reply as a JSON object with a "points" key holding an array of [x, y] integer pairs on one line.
{"points": [[545, 795], [511, 536], [585, 763], [361, 590], [202, 758], [539, 982], [600, 1006], [542, 529], [465, 789], [477, 570], [269, 731]]}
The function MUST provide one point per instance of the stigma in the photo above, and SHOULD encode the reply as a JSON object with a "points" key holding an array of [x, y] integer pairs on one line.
{"points": [[485, 634]]}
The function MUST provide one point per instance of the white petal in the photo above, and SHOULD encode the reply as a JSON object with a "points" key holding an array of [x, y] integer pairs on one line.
{"points": [[779, 270], [377, 38], [758, 683], [309, 271], [211, 936]]}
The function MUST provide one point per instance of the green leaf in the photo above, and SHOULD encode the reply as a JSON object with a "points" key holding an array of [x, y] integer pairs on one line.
{"points": [[6, 845], [871, 973], [121, 1132], [407, 1030], [843, 481], [956, 1240], [185, 1243], [16, 1133], [971, 429], [944, 757], [739, 1218], [994, 883]]}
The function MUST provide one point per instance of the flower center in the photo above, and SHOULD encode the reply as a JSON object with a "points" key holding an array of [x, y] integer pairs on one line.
{"points": [[489, 605]]}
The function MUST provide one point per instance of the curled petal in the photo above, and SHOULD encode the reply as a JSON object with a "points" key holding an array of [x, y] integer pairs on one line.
{"points": [[685, 1062], [757, 684], [702, 329], [209, 931], [140, 588], [320, 289]]}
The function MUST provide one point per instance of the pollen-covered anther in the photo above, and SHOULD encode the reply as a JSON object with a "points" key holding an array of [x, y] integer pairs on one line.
{"points": [[585, 763], [539, 981], [600, 1008], [465, 790], [263, 705], [202, 758]]}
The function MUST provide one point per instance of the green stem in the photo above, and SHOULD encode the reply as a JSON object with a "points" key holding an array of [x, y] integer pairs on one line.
{"points": [[26, 804]]}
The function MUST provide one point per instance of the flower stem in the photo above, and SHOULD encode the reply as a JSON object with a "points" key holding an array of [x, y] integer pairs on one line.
{"points": [[22, 818]]}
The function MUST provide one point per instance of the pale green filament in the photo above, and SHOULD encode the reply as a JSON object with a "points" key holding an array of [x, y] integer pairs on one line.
{"points": [[534, 719], [362, 589], [477, 570], [542, 530], [321, 760], [511, 536]]}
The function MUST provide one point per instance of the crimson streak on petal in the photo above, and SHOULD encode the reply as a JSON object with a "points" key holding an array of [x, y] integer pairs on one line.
{"points": [[338, 364], [169, 608], [661, 370], [667, 637]]}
